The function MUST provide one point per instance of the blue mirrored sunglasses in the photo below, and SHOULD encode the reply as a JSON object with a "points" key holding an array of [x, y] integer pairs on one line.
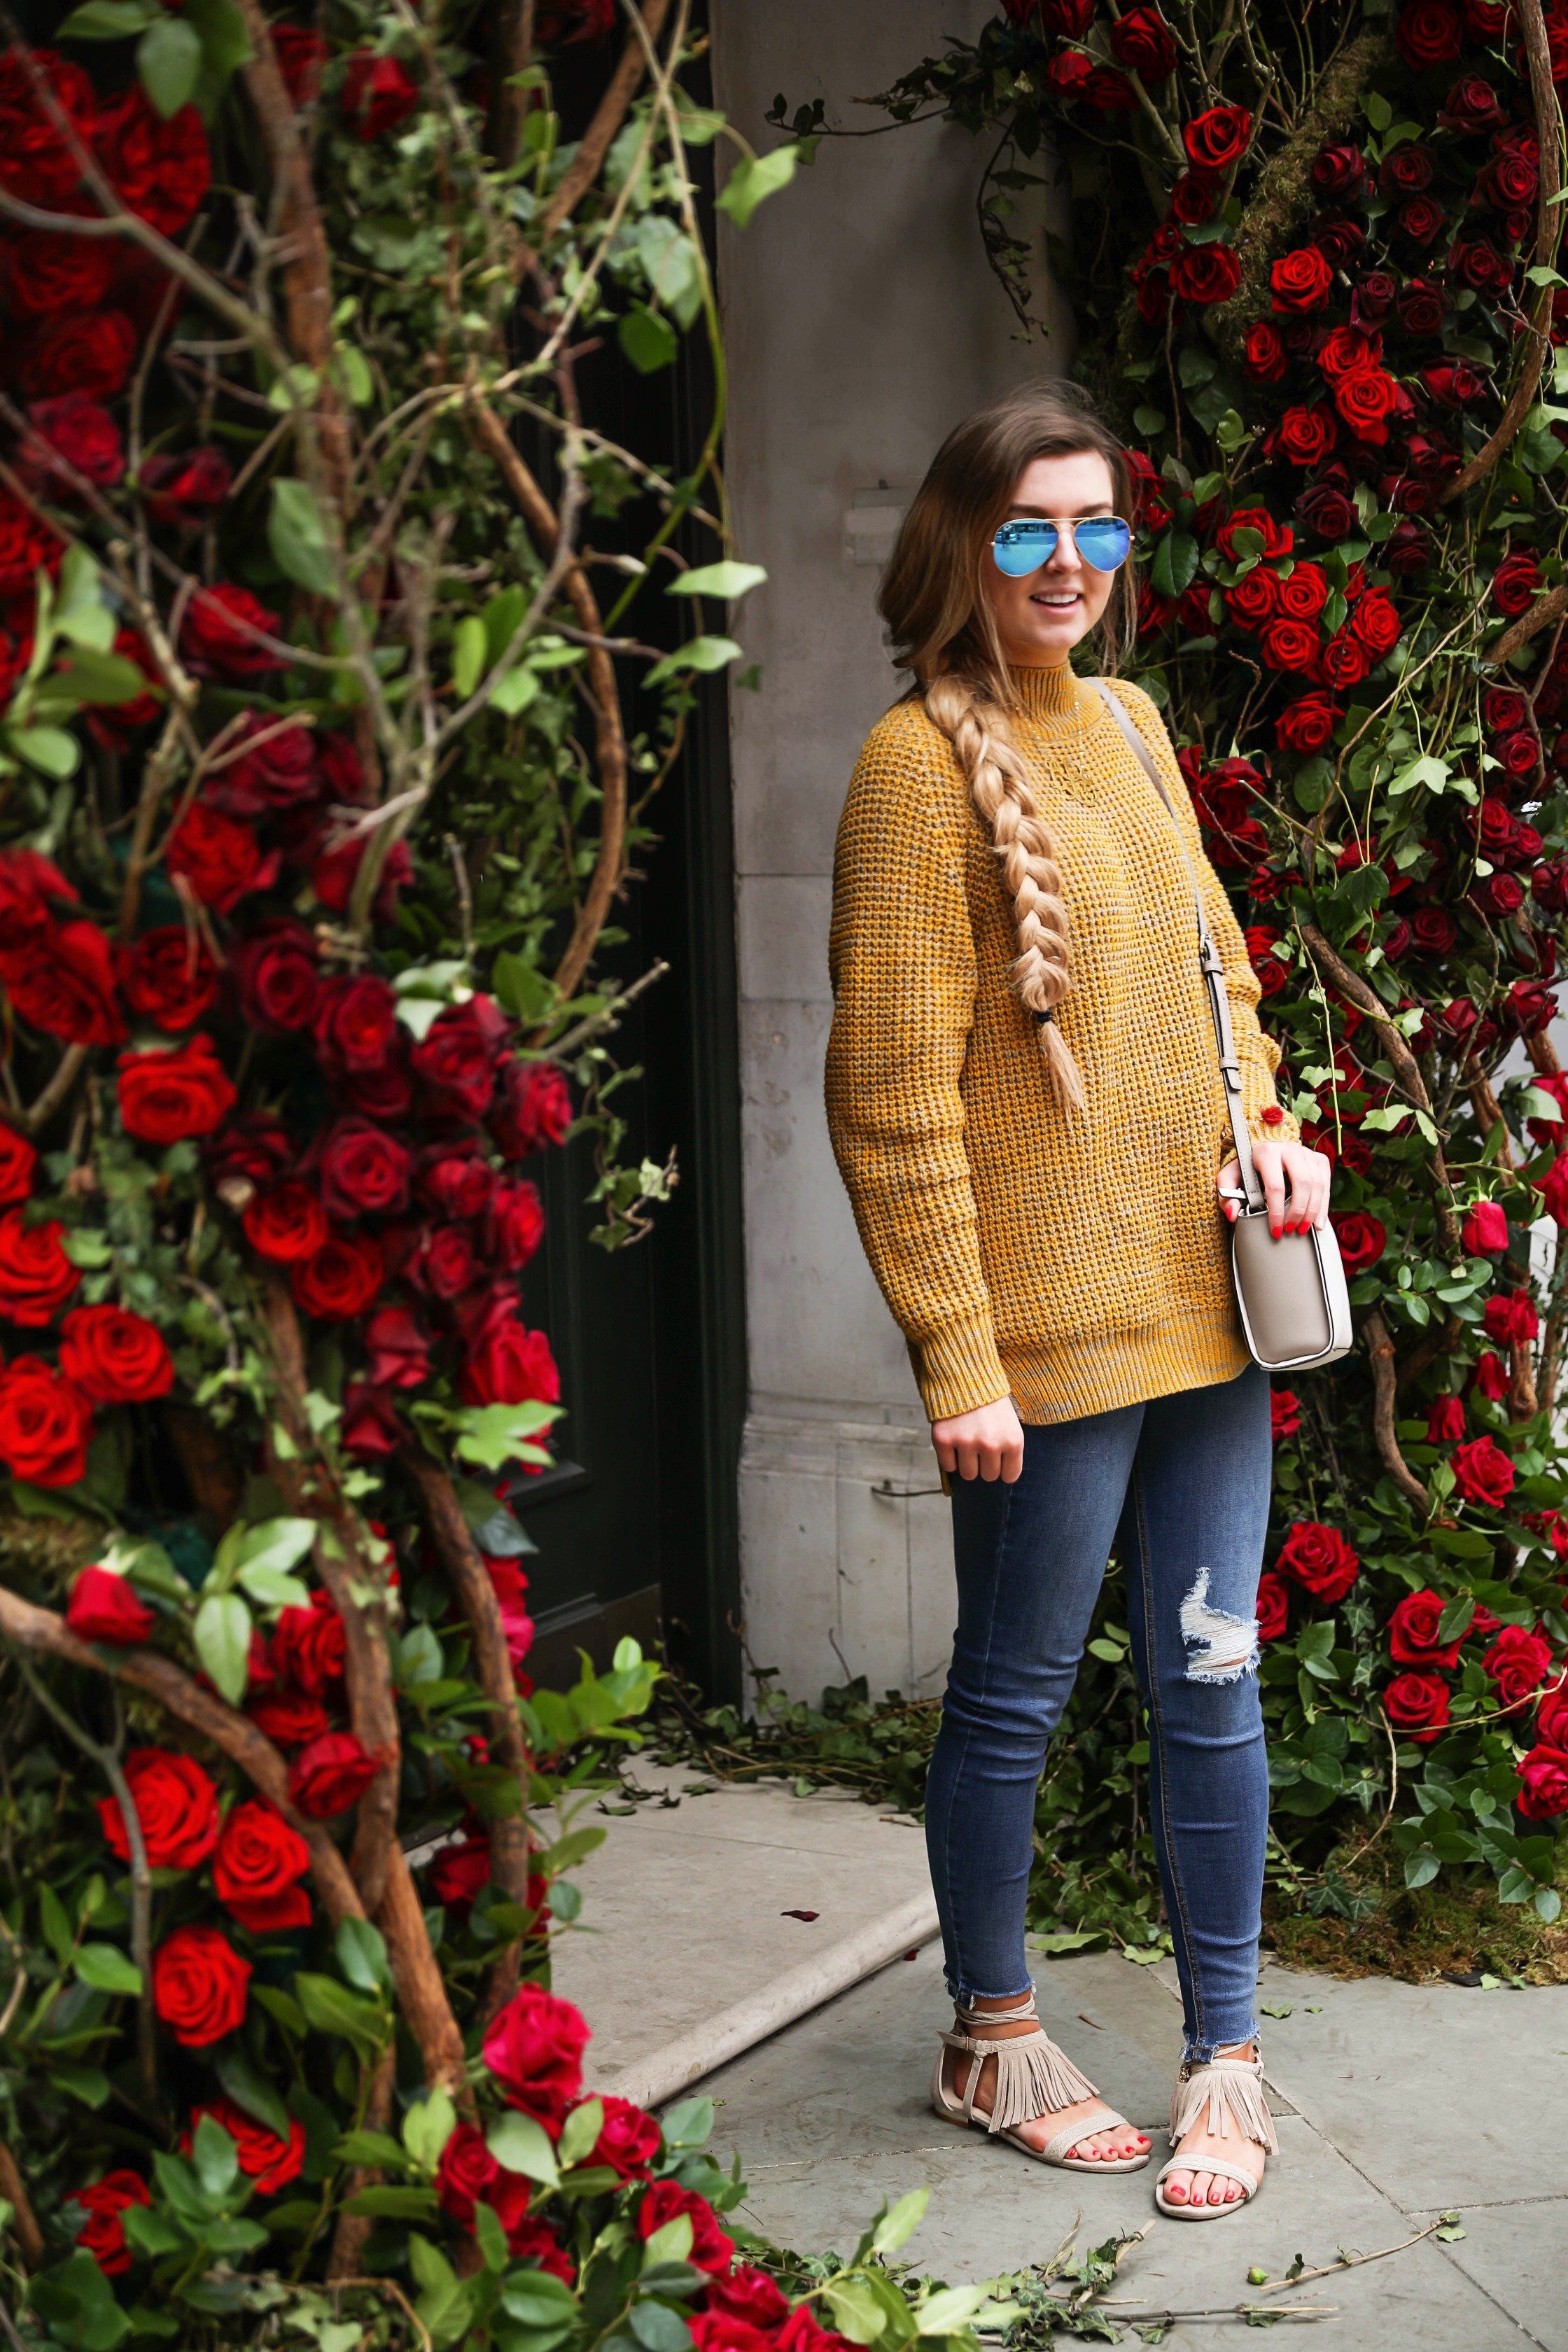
{"points": [[1021, 548]]}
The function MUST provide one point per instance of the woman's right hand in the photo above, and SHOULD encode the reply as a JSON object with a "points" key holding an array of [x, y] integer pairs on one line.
{"points": [[985, 1443]]}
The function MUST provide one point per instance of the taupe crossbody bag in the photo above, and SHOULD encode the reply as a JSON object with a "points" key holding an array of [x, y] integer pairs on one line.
{"points": [[1294, 1309]]}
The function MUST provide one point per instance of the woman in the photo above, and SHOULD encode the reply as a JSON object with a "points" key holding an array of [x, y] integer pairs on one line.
{"points": [[1025, 1106]]}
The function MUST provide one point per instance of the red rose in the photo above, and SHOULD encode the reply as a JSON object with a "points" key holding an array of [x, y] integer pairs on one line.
{"points": [[1527, 1009], [218, 639], [1433, 930], [467, 2175], [378, 94], [398, 1350], [532, 1107], [1339, 173], [1206, 273], [1319, 1559], [276, 975], [1304, 436], [1552, 1721], [165, 1097], [1253, 598], [370, 1428], [267, 2162], [533, 2048], [175, 1802], [1070, 18], [1471, 105], [1482, 1472], [1444, 1419], [442, 1263], [1519, 1663], [1407, 171], [455, 1058], [44, 1426], [37, 1277], [1511, 1321], [341, 1280], [1217, 140], [1516, 583], [36, 161], [333, 876], [273, 776], [90, 352], [1428, 33], [258, 1862], [356, 1024], [289, 1718], [104, 1607], [1418, 1705], [750, 2295], [302, 52], [115, 1357], [160, 169], [363, 1171], [102, 2235], [1108, 91], [310, 1646], [1301, 281], [1305, 593], [536, 2242], [330, 1775], [514, 1225], [722, 2331], [1266, 357], [67, 988], [505, 1364], [664, 2200], [1377, 623], [286, 1225], [1326, 512], [629, 2139], [181, 491], [71, 436], [1344, 660], [1290, 645], [1422, 308], [1517, 754], [1308, 723], [1413, 1633], [199, 1986], [1543, 1784], [219, 858], [1284, 1414], [1491, 1376], [169, 977], [1143, 43], [458, 1872], [1365, 398], [17, 1161], [1362, 1239], [1273, 1606], [1485, 1230]]}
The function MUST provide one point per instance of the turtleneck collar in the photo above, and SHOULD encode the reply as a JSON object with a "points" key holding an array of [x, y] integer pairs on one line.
{"points": [[1046, 693]]}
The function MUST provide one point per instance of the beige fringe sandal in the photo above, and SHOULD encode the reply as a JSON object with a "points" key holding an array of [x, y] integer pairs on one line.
{"points": [[1231, 2090], [1033, 2078]]}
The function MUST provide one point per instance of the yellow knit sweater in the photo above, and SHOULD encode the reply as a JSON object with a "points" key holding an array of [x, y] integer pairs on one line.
{"points": [[1073, 1263]]}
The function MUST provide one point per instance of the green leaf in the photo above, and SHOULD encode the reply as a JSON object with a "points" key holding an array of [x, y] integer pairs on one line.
{"points": [[215, 2157], [727, 580], [89, 2084], [699, 654], [467, 654], [333, 2009], [670, 261], [658, 2329], [106, 1968], [55, 1920], [427, 2126], [101, 678], [370, 2148], [249, 2089], [526, 992], [856, 2310], [362, 1955], [491, 2237], [1175, 564], [297, 534], [648, 340], [516, 690], [494, 1434], [690, 2123], [394, 2204], [109, 20], [81, 612], [222, 1638], [358, 381], [899, 2222], [670, 2243], [521, 2145], [580, 2134], [48, 748], [536, 2299], [754, 178], [169, 63]]}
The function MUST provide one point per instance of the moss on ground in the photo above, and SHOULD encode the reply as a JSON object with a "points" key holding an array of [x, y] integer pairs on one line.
{"points": [[1445, 1930]]}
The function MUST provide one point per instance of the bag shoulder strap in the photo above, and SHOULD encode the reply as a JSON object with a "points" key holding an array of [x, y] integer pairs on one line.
{"points": [[1208, 957]]}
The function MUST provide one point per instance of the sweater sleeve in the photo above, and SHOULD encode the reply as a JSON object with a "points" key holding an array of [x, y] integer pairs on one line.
{"points": [[1257, 1051], [901, 957]]}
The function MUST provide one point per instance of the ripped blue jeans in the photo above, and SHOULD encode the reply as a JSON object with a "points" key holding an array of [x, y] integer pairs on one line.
{"points": [[1180, 1485]]}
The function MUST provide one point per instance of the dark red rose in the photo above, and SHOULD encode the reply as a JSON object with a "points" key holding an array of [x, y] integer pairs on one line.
{"points": [[1362, 1239], [1420, 218], [398, 1350], [219, 858], [1433, 930], [1206, 273], [1485, 1230], [1194, 198], [1276, 538], [469, 2175], [176, 1807], [1253, 599], [267, 2162], [664, 2201], [1406, 172], [1325, 512], [67, 437], [1365, 398], [1266, 360], [385, 1095], [35, 159], [458, 1872], [1373, 297], [442, 1263], [1518, 1662], [532, 1107], [1483, 1473], [90, 352], [1070, 18], [1413, 1632], [1527, 1009], [1500, 894], [1429, 33], [1304, 436], [750, 2295], [455, 1058], [166, 1096], [1339, 240], [1444, 1419], [355, 1024], [310, 1646], [199, 1986], [1486, 20], [1471, 105], [1307, 724], [332, 873], [273, 774], [1301, 281], [289, 1718], [1516, 583], [275, 974], [37, 1277], [1543, 1784], [370, 1428], [505, 1363], [1143, 43], [102, 2235], [169, 977], [256, 1869], [44, 1426], [251, 1150], [1418, 1705], [341, 1281], [1407, 549], [302, 52], [1517, 754], [1511, 1321], [1339, 173], [330, 1775], [363, 1171], [1319, 1559], [66, 988], [160, 169], [1217, 140], [114, 1357], [378, 93], [181, 492], [533, 2051], [26, 547], [514, 1225], [1344, 660], [1290, 645], [285, 1223], [17, 1161], [1273, 1606], [1108, 91], [1284, 1414], [220, 638]]}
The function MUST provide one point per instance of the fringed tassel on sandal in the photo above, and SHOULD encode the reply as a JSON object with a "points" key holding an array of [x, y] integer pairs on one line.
{"points": [[1033, 2077], [1232, 2090]]}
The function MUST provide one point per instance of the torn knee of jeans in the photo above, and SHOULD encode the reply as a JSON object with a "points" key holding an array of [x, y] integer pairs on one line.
{"points": [[1220, 1648]]}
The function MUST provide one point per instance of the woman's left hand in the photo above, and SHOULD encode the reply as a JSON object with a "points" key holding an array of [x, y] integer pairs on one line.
{"points": [[1307, 1173]]}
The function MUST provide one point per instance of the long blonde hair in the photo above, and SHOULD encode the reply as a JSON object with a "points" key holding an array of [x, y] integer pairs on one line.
{"points": [[933, 601]]}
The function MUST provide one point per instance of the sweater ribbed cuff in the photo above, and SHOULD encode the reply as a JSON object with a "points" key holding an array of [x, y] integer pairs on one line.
{"points": [[959, 1370]]}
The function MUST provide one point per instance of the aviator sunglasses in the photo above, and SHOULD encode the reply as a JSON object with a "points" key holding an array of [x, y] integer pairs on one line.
{"points": [[1021, 547]]}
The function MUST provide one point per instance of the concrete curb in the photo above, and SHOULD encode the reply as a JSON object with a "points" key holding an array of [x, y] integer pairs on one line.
{"points": [[674, 2067]]}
